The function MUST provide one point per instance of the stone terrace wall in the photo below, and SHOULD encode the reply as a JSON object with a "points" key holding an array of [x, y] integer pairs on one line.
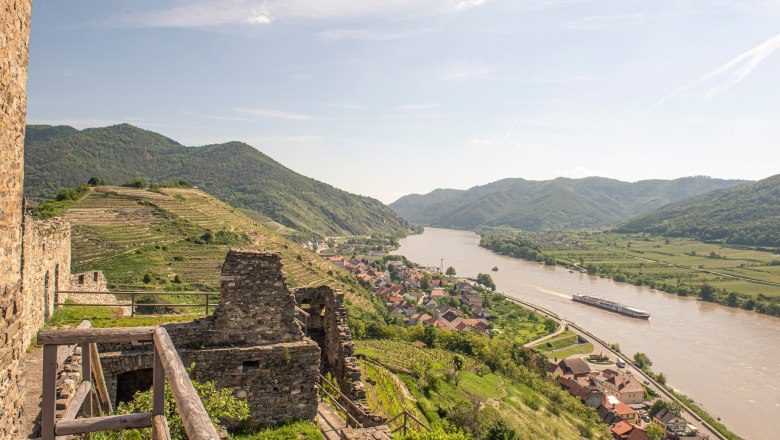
{"points": [[14, 43], [91, 281], [251, 344], [45, 270]]}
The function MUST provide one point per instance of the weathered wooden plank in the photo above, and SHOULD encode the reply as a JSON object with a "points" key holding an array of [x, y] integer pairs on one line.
{"points": [[160, 429], [96, 335], [49, 391], [130, 292], [64, 351], [100, 380], [193, 415], [86, 375], [82, 392], [107, 423], [158, 385]]}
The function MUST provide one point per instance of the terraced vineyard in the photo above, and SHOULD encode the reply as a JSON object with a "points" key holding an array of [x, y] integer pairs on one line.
{"points": [[129, 233], [404, 356]]}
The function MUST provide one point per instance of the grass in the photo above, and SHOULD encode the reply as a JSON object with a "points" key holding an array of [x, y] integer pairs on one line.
{"points": [[301, 430], [103, 317], [570, 351], [512, 319]]}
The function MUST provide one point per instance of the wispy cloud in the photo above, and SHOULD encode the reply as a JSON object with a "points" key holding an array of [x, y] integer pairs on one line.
{"points": [[735, 71], [600, 22], [480, 142], [205, 14], [414, 107], [467, 71], [369, 34], [274, 114]]}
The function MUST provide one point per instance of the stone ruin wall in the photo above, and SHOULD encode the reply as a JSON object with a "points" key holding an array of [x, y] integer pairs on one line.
{"points": [[252, 343], [92, 281], [45, 270], [327, 325], [14, 44]]}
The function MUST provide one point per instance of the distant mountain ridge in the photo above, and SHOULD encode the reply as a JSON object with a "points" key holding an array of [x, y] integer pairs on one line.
{"points": [[550, 204], [61, 156], [746, 214]]}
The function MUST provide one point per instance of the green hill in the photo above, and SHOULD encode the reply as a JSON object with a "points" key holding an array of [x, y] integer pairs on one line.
{"points": [[747, 214], [550, 204], [180, 237], [235, 172]]}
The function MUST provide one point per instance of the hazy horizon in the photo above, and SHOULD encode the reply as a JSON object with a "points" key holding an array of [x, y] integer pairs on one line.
{"points": [[388, 98]]}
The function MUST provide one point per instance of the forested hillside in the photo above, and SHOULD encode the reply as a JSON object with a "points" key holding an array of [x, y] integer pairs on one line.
{"points": [[747, 214], [57, 157], [550, 204]]}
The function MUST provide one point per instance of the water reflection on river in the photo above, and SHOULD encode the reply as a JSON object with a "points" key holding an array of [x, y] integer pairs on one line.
{"points": [[727, 359]]}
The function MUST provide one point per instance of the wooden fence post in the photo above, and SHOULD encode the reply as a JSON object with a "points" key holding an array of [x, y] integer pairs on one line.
{"points": [[86, 375], [49, 391], [132, 305]]}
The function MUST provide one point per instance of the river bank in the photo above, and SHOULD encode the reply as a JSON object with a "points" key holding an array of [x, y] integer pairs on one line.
{"points": [[685, 337]]}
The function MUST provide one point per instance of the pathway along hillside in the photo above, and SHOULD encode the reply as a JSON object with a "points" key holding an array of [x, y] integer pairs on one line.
{"points": [[727, 359]]}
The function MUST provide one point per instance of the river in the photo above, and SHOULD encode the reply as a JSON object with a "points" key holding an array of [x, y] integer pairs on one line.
{"points": [[727, 359]]}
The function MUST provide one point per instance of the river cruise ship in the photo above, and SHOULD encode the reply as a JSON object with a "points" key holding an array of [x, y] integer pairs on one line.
{"points": [[611, 306]]}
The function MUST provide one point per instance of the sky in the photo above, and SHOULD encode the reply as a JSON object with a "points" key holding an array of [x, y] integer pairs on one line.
{"points": [[386, 98]]}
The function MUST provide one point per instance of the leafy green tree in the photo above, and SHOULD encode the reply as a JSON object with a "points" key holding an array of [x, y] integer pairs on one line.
{"points": [[96, 181], [486, 280], [654, 431], [425, 282], [457, 361], [147, 278], [707, 292], [429, 336], [450, 271], [499, 430], [642, 361]]}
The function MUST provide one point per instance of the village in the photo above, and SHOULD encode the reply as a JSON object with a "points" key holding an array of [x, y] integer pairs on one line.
{"points": [[417, 295]]}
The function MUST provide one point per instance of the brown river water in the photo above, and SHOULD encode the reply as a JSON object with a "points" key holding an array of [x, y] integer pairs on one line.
{"points": [[727, 359]]}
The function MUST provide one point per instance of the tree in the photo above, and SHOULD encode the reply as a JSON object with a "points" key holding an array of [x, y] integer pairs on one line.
{"points": [[147, 278], [457, 361], [486, 280], [450, 271], [660, 404], [642, 361], [96, 181], [707, 292], [499, 430], [429, 336], [654, 432]]}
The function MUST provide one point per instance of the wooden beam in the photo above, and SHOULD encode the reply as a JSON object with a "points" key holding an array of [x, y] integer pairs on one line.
{"points": [[96, 335], [158, 385], [49, 391], [82, 392], [64, 351], [130, 292], [86, 376], [193, 415], [100, 380], [160, 429], [107, 423]]}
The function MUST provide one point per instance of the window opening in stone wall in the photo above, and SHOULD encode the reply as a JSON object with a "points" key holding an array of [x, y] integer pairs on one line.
{"points": [[46, 295], [94, 276], [56, 285], [131, 382], [81, 279], [251, 366]]}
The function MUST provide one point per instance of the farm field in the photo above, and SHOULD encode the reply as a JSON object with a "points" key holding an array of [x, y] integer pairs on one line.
{"points": [[665, 259]]}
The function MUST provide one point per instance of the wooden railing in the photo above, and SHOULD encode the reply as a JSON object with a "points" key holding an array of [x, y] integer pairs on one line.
{"points": [[407, 419], [134, 294], [167, 364], [302, 318]]}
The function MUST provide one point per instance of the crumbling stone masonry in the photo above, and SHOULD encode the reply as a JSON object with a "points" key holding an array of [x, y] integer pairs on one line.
{"points": [[327, 326], [252, 343], [14, 43]]}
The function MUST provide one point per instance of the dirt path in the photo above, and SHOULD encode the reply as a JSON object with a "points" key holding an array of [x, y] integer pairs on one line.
{"points": [[33, 368]]}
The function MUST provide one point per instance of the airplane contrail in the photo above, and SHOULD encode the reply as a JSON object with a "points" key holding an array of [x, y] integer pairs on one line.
{"points": [[743, 64]]}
